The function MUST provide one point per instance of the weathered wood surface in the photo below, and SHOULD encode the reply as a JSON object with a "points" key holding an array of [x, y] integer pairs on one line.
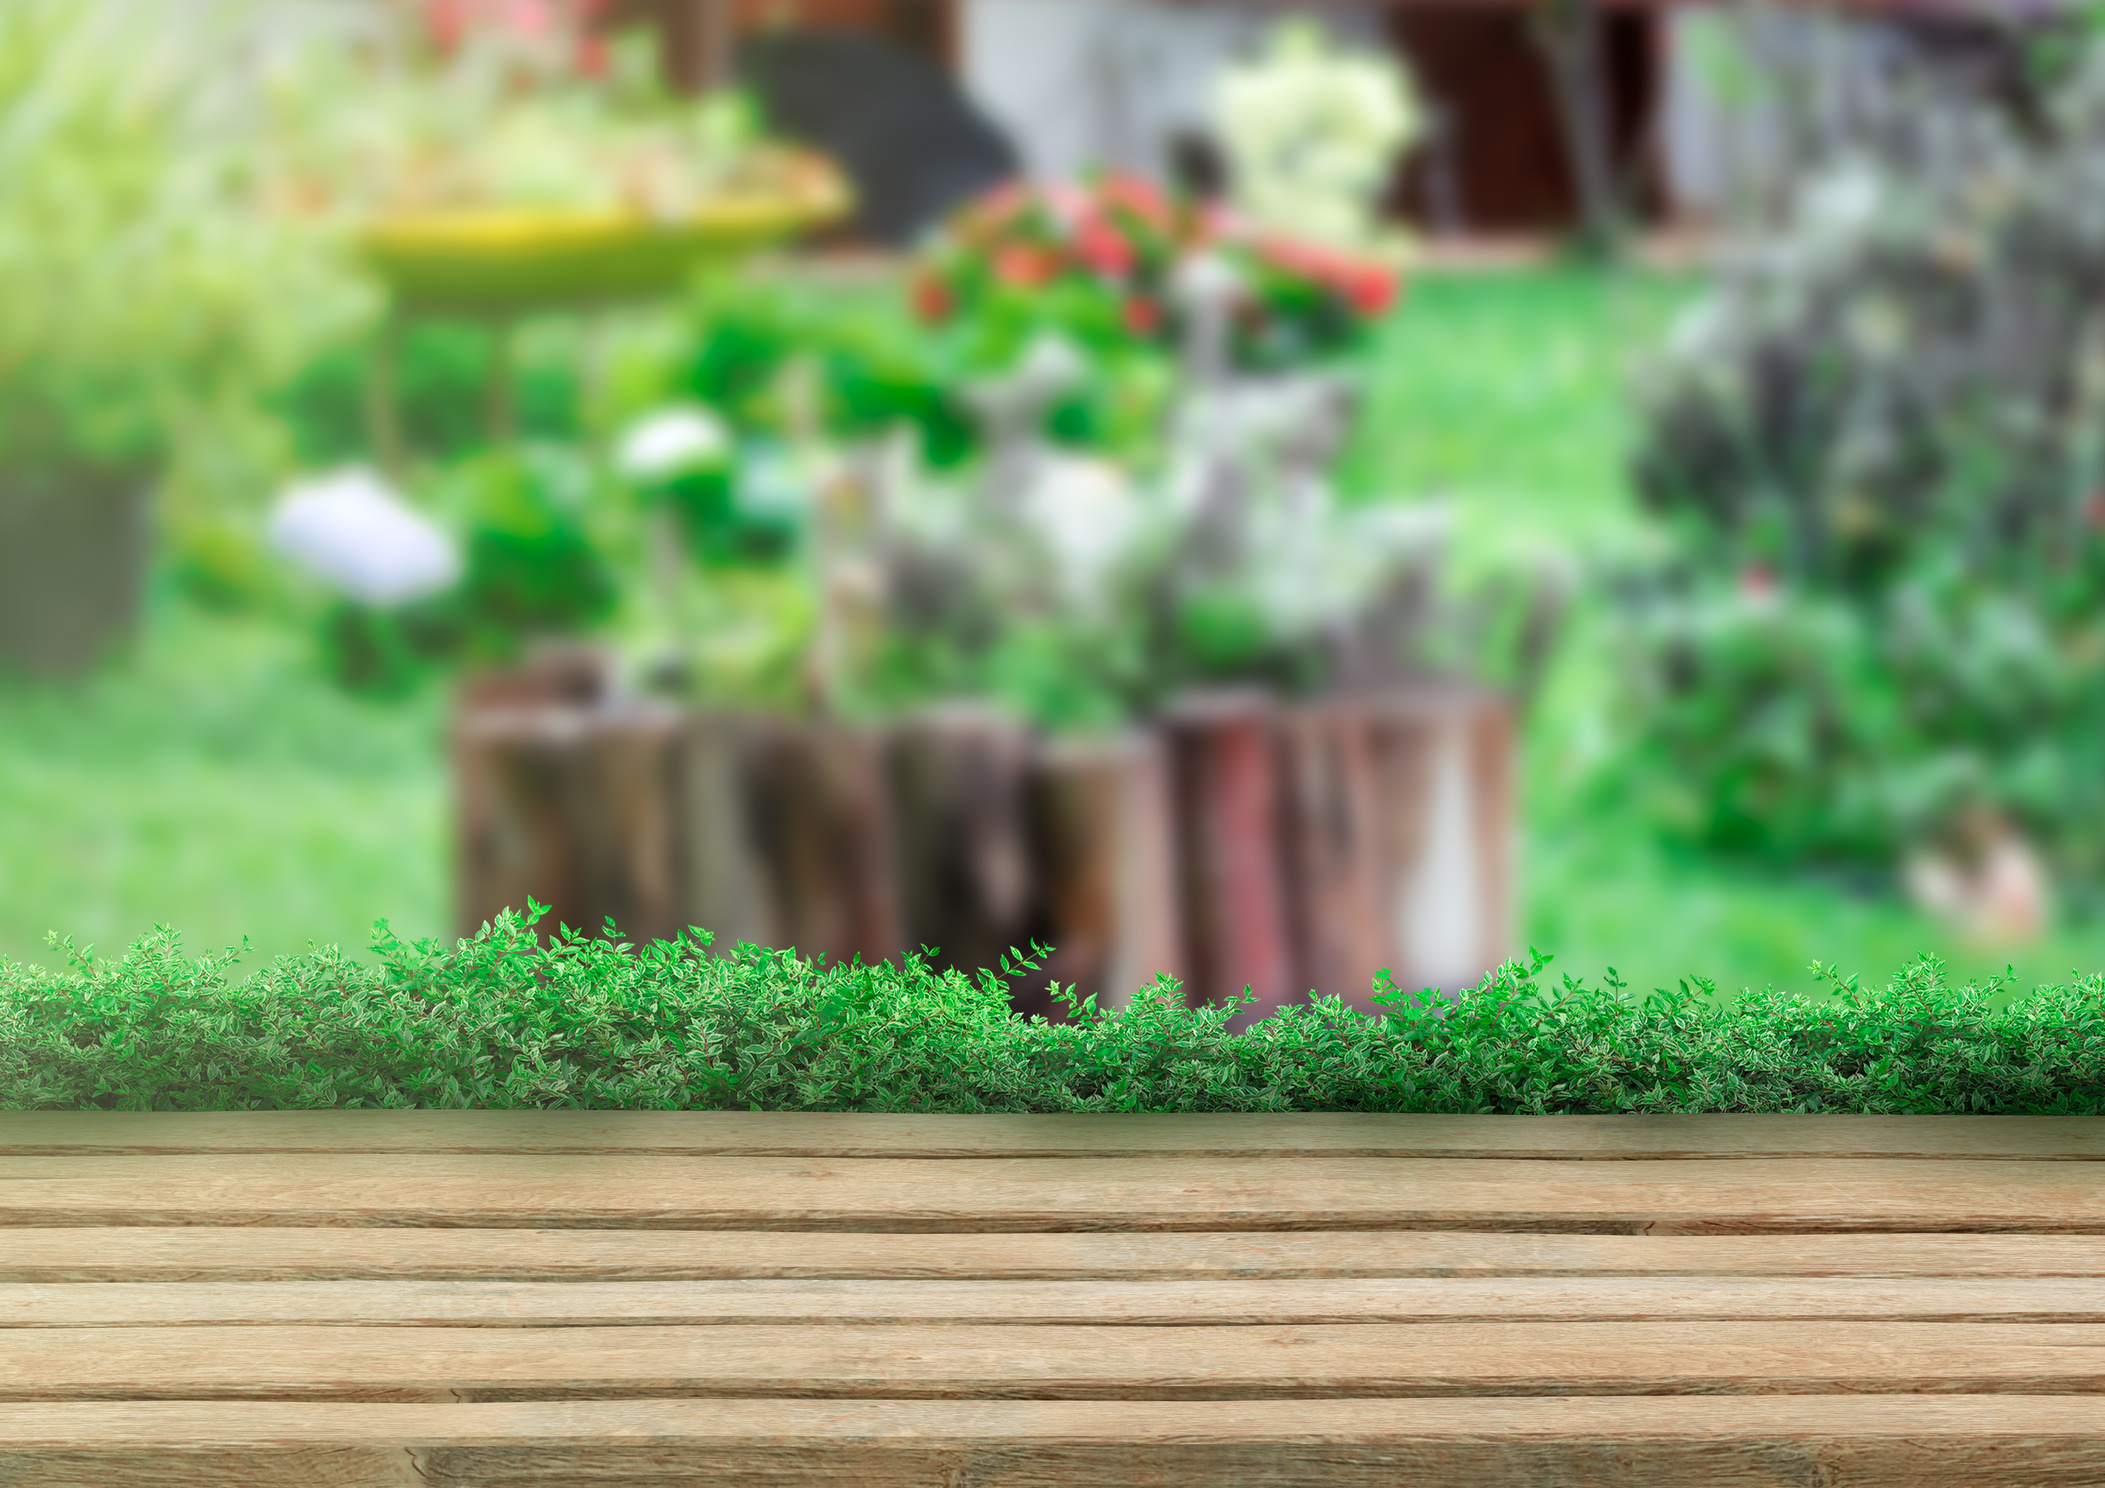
{"points": [[200, 1253], [505, 1190], [809, 1134], [1892, 1441], [397, 1298], [1152, 1303], [1027, 1361]]}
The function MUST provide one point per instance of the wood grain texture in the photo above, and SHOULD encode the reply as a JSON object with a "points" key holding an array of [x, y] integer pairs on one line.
{"points": [[201, 1253], [998, 1194], [498, 1304], [885, 1360], [1719, 1442]]}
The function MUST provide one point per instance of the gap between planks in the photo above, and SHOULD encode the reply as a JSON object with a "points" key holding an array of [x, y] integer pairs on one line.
{"points": [[204, 1253], [1078, 1362], [1160, 1303], [1717, 1442], [814, 1134]]}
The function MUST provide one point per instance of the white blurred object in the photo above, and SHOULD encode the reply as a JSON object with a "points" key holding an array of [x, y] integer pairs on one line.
{"points": [[354, 530], [671, 442], [1312, 132], [1086, 512], [1987, 882], [1084, 85]]}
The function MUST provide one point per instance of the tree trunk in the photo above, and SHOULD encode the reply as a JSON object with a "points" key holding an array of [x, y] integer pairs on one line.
{"points": [[1104, 850]]}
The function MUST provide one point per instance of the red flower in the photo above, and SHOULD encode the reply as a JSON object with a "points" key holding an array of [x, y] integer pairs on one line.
{"points": [[1140, 197], [932, 298], [1141, 316], [1103, 247], [996, 211], [1368, 287], [1372, 291], [1025, 266]]}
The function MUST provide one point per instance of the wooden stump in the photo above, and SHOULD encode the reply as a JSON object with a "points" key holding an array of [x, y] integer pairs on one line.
{"points": [[1334, 849], [821, 823], [573, 807], [725, 880], [963, 857], [1401, 836], [1232, 888], [1104, 857]]}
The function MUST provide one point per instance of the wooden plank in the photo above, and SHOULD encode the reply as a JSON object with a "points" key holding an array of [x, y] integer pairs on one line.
{"points": [[1078, 1362], [1282, 1302], [1136, 1193], [1743, 1442], [805, 1134], [197, 1253]]}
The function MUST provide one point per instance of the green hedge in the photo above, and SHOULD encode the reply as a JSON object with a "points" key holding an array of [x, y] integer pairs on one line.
{"points": [[500, 1020]]}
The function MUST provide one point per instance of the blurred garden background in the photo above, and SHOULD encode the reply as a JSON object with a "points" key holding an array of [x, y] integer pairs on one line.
{"points": [[1733, 415]]}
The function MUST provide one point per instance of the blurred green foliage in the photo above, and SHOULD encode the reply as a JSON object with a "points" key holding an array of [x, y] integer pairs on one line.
{"points": [[532, 568], [1877, 447]]}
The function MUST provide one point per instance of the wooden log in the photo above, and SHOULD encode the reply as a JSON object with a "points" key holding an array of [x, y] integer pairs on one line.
{"points": [[1446, 810], [1232, 889], [822, 824], [573, 807], [962, 853], [1335, 872], [1400, 839], [1104, 853], [724, 878]]}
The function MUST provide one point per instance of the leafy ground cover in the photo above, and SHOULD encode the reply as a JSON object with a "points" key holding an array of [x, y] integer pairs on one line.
{"points": [[502, 1021], [213, 781]]}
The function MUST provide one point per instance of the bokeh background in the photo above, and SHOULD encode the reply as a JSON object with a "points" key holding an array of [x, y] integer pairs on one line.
{"points": [[1716, 392]]}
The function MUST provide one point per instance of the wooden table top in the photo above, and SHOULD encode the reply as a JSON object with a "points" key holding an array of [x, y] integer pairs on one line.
{"points": [[654, 1297]]}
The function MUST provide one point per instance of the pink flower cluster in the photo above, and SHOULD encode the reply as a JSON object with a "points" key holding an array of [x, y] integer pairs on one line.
{"points": [[1123, 236]]}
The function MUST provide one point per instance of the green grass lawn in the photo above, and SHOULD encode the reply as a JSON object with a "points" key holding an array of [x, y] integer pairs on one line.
{"points": [[211, 781]]}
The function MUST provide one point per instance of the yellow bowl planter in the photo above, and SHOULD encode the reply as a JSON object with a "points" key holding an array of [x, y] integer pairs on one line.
{"points": [[509, 260]]}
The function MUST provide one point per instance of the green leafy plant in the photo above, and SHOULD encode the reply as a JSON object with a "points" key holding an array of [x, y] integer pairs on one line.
{"points": [[533, 568], [503, 1019]]}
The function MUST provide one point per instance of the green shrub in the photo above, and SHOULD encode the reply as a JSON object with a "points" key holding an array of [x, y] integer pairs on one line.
{"points": [[1876, 446], [500, 1020]]}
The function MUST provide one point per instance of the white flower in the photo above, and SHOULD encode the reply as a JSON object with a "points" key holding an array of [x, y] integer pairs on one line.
{"points": [[1311, 133], [672, 441], [352, 529]]}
